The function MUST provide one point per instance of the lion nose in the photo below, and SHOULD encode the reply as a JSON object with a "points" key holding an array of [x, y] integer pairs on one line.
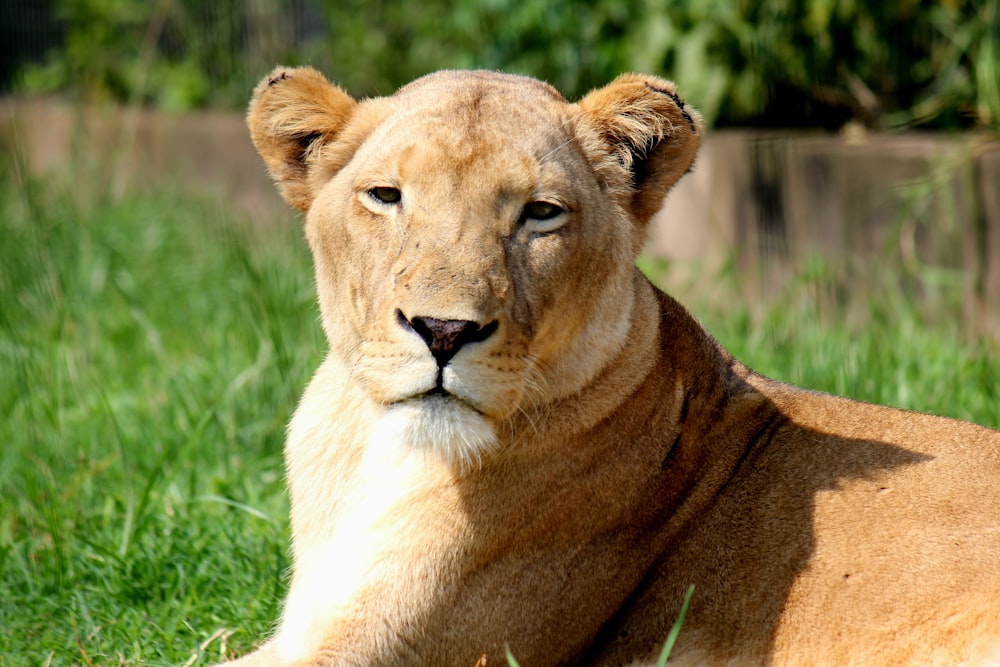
{"points": [[445, 338]]}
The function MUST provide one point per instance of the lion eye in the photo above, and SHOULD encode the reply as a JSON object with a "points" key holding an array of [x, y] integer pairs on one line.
{"points": [[541, 217], [541, 210], [385, 195]]}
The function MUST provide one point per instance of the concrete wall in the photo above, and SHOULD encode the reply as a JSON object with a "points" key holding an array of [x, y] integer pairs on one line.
{"points": [[124, 150], [919, 203], [762, 200]]}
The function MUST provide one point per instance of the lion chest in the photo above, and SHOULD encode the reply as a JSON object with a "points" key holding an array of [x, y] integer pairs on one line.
{"points": [[374, 522]]}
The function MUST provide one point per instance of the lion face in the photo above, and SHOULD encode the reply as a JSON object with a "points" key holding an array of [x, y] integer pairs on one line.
{"points": [[472, 236]]}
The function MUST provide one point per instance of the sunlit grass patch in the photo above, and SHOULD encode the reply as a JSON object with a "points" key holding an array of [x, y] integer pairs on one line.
{"points": [[152, 355]]}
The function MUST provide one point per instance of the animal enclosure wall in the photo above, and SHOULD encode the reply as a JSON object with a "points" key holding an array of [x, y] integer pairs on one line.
{"points": [[926, 206], [763, 203]]}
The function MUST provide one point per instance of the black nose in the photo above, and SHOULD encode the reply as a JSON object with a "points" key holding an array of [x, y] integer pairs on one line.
{"points": [[445, 338]]}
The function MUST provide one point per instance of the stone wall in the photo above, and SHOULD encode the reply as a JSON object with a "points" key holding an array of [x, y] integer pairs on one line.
{"points": [[763, 200], [766, 201], [208, 152]]}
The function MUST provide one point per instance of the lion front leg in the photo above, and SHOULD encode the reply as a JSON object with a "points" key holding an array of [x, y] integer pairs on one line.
{"points": [[263, 656], [268, 655]]}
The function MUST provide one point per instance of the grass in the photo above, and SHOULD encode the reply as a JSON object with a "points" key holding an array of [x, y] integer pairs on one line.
{"points": [[151, 353], [857, 331]]}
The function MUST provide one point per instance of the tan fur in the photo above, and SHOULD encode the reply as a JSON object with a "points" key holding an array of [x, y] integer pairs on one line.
{"points": [[595, 451]]}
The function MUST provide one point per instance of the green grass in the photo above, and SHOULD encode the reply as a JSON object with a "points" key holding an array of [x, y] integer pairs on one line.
{"points": [[151, 353], [856, 330]]}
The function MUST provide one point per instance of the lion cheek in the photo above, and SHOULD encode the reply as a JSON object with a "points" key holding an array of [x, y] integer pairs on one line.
{"points": [[390, 373], [493, 392]]}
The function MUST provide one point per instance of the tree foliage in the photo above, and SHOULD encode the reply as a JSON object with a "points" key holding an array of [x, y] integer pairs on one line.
{"points": [[897, 63]]}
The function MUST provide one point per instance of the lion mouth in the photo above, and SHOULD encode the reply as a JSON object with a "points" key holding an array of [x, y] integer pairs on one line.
{"points": [[438, 421], [440, 395]]}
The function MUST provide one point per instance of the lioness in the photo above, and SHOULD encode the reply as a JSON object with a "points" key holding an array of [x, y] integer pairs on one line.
{"points": [[515, 439]]}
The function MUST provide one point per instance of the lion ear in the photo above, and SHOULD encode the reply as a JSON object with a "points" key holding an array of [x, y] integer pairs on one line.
{"points": [[640, 138], [293, 114]]}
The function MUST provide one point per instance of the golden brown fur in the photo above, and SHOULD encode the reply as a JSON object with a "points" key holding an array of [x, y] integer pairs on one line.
{"points": [[516, 439]]}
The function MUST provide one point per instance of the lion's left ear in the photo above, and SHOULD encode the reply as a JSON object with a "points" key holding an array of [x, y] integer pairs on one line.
{"points": [[293, 114], [640, 138]]}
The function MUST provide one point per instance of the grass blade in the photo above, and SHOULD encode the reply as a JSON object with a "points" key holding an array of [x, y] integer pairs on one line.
{"points": [[675, 631], [511, 660]]}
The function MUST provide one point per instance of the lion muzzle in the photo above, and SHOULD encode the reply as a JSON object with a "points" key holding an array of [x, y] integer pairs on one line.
{"points": [[444, 338]]}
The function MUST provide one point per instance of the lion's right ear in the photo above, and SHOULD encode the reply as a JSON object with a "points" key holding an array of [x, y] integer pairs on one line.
{"points": [[640, 138], [293, 113]]}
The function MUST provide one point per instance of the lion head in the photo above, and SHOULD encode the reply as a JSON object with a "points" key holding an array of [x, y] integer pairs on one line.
{"points": [[473, 235]]}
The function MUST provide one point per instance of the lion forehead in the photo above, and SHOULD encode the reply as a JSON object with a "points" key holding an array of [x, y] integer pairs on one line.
{"points": [[450, 82], [477, 109], [479, 140]]}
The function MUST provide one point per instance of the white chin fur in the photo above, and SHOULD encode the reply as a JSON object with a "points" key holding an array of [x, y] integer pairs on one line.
{"points": [[439, 425]]}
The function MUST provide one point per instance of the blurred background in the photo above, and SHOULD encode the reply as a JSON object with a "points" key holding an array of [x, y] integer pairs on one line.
{"points": [[763, 63], [842, 130]]}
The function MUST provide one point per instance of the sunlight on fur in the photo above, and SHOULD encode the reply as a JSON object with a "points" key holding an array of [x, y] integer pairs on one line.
{"points": [[440, 425], [590, 450]]}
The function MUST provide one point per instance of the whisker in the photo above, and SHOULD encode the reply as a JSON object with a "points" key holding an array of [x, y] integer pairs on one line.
{"points": [[558, 148]]}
